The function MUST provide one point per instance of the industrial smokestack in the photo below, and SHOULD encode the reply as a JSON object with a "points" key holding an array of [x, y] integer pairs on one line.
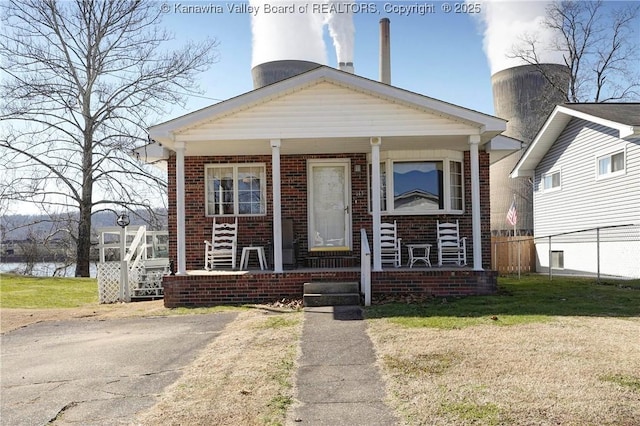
{"points": [[385, 51], [274, 71], [525, 97], [346, 67]]}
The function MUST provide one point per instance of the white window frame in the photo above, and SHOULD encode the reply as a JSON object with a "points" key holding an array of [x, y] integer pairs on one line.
{"points": [[236, 206], [445, 157], [609, 154], [550, 173]]}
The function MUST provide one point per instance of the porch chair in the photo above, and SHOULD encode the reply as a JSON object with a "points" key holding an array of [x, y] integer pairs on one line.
{"points": [[221, 250], [451, 248], [390, 244]]}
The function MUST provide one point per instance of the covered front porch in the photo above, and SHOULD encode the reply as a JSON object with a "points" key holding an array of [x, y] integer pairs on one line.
{"points": [[357, 284]]}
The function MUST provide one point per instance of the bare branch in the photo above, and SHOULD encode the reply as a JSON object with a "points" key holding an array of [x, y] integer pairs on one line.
{"points": [[82, 80], [599, 43]]}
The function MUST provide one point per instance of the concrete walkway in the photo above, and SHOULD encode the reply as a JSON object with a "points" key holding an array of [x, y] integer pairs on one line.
{"points": [[338, 382]]}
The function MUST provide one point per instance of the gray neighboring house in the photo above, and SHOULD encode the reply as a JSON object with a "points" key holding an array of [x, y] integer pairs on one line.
{"points": [[584, 165]]}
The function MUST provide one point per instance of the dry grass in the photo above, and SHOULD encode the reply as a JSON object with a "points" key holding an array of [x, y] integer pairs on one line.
{"points": [[244, 377], [540, 361], [570, 371]]}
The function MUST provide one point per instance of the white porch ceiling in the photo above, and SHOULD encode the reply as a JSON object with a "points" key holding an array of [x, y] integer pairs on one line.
{"points": [[324, 145]]}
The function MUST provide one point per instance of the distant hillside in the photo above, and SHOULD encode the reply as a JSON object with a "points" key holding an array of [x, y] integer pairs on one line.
{"points": [[20, 227]]}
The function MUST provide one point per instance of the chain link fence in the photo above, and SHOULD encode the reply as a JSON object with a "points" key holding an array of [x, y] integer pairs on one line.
{"points": [[608, 251]]}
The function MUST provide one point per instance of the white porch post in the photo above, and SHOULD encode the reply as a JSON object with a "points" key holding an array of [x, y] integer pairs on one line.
{"points": [[180, 213], [277, 206], [474, 141], [375, 201]]}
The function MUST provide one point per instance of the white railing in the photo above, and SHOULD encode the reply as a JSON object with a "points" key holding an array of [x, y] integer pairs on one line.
{"points": [[139, 271], [365, 267], [138, 247]]}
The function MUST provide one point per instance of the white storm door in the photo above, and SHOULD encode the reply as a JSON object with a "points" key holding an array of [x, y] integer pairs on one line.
{"points": [[329, 196]]}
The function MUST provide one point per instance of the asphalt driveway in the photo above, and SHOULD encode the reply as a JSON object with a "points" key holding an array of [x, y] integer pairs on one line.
{"points": [[93, 372]]}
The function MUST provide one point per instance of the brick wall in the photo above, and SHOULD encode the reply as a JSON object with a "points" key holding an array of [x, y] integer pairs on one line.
{"points": [[208, 290], [258, 229]]}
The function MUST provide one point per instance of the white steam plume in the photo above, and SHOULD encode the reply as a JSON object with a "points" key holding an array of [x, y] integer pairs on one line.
{"points": [[506, 22], [287, 35], [299, 35], [340, 22]]}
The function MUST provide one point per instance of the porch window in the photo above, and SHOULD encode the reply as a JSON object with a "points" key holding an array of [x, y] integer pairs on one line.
{"points": [[235, 190], [421, 187], [417, 186], [455, 184]]}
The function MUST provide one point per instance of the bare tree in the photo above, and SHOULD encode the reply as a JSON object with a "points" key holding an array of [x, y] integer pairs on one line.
{"points": [[600, 48], [83, 80]]}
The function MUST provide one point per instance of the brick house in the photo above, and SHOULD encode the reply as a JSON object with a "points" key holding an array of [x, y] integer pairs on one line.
{"points": [[333, 154]]}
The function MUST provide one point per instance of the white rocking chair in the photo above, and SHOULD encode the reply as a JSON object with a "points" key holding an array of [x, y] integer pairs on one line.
{"points": [[451, 248], [390, 244], [221, 250]]}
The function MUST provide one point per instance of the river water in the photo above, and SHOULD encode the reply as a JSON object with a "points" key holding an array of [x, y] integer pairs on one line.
{"points": [[46, 269]]}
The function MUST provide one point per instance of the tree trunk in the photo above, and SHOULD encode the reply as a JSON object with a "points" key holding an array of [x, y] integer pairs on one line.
{"points": [[86, 203], [83, 246]]}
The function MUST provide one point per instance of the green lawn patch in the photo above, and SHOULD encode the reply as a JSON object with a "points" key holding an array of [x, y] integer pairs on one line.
{"points": [[472, 413], [631, 382], [17, 291], [533, 298]]}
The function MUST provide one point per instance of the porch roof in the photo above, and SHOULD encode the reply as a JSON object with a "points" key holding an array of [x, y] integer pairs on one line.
{"points": [[326, 111]]}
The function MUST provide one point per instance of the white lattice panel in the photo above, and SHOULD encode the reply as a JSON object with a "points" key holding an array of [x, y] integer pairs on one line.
{"points": [[147, 282], [108, 282]]}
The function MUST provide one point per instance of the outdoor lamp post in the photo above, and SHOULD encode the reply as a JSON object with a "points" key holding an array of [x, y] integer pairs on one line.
{"points": [[122, 221]]}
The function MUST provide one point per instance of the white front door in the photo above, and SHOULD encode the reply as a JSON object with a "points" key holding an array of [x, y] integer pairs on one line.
{"points": [[329, 196]]}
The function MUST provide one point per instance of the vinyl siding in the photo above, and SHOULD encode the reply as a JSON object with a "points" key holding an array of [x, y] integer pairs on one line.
{"points": [[326, 110], [583, 201]]}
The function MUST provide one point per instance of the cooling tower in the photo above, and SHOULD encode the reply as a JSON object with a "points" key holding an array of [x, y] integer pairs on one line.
{"points": [[272, 72], [525, 97]]}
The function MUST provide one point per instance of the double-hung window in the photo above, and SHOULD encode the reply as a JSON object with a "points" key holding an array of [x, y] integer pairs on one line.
{"points": [[235, 189], [421, 186], [551, 180], [611, 164]]}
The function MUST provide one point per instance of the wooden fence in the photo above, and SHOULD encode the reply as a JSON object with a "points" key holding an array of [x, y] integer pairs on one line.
{"points": [[506, 251]]}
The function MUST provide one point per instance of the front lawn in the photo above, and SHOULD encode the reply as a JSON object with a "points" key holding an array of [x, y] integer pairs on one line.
{"points": [[533, 298], [539, 352], [18, 291]]}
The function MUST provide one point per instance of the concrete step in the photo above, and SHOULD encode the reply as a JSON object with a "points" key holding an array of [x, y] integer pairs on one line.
{"points": [[331, 294], [333, 299], [331, 287]]}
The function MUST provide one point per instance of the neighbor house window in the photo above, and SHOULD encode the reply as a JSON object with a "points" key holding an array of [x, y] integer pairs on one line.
{"points": [[551, 180], [557, 259], [235, 189], [611, 164], [421, 187]]}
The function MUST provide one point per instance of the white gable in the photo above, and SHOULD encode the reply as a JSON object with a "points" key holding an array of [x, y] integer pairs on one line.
{"points": [[325, 110]]}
